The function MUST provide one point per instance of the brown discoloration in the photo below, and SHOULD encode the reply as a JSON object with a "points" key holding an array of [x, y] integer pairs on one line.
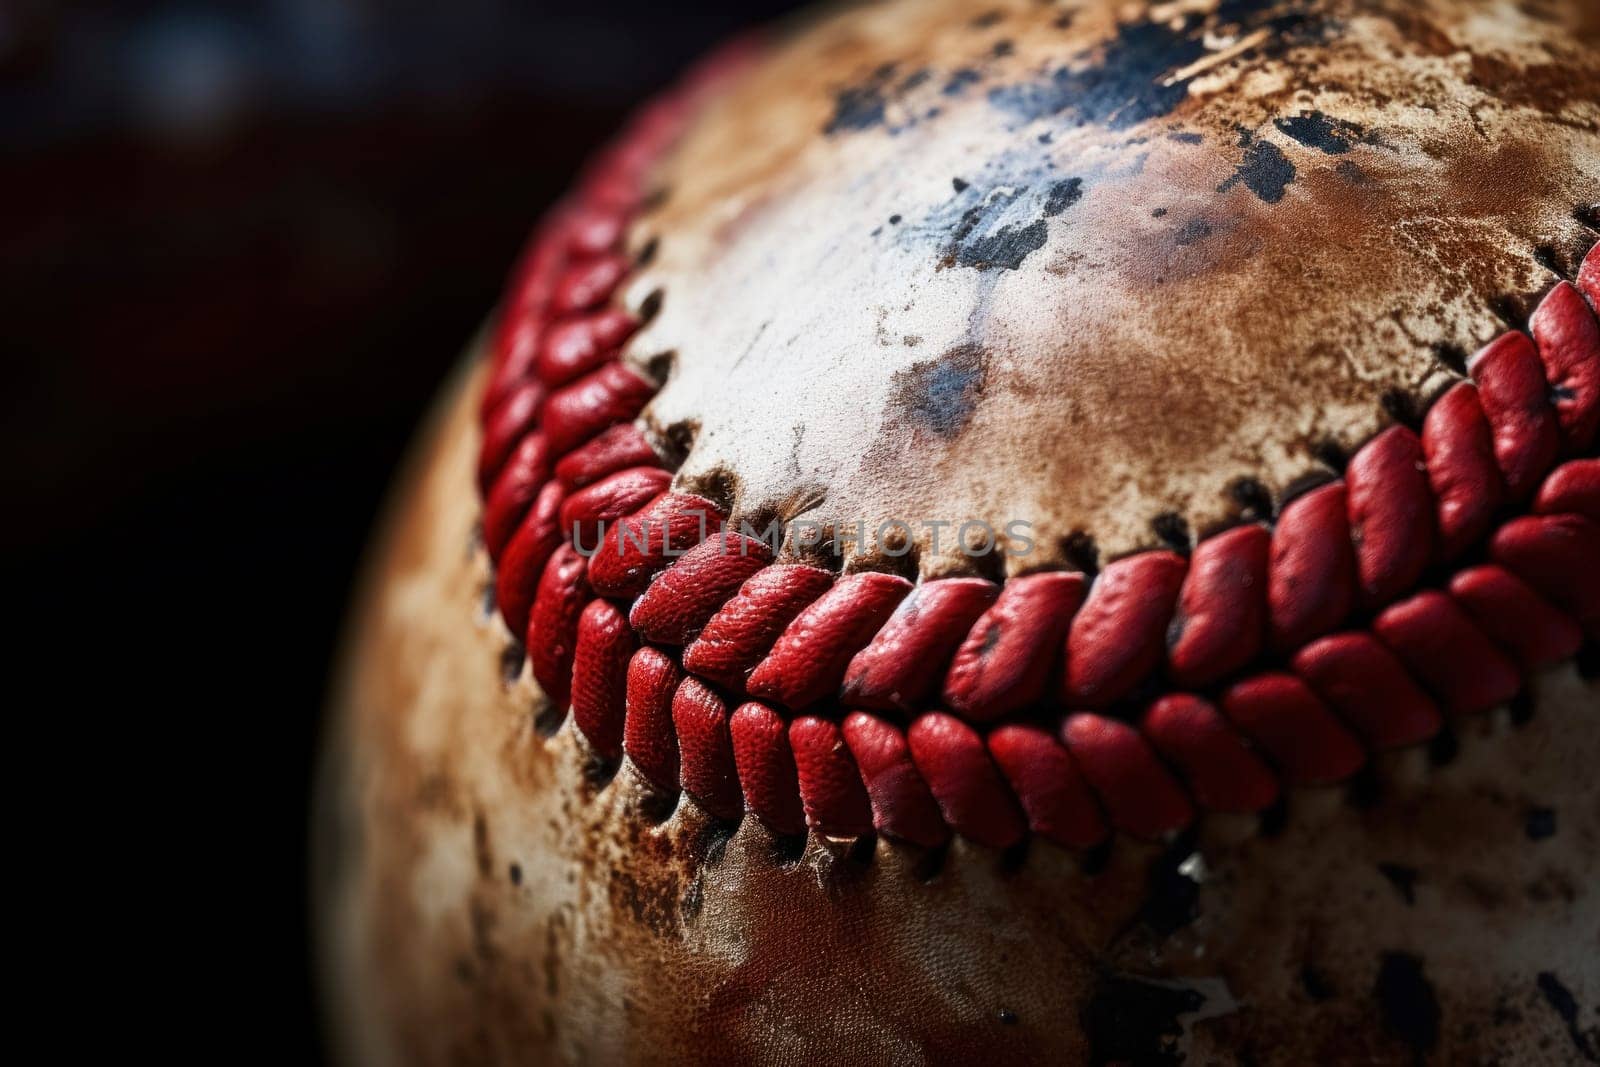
{"points": [[635, 939], [1156, 339], [1165, 340]]}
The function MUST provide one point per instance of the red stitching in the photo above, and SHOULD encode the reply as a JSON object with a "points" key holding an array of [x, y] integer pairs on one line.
{"points": [[873, 695]]}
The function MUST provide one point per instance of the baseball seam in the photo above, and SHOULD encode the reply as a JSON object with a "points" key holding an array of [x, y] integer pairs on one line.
{"points": [[1431, 579]]}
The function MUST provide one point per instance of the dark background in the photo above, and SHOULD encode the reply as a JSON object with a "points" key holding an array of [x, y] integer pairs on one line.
{"points": [[240, 247]]}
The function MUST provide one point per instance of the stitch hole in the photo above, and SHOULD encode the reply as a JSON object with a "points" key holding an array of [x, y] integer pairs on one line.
{"points": [[1331, 454], [862, 851], [1274, 819], [1253, 499], [676, 442], [647, 254], [1511, 309], [714, 837], [650, 307], [1452, 356], [931, 863], [661, 366], [897, 554], [1173, 532], [786, 850], [548, 719], [718, 485], [1081, 552], [486, 598], [656, 805], [989, 565], [1364, 789], [1303, 484], [1402, 407], [1172, 894], [1589, 661], [1444, 748], [1097, 858], [511, 662], [1522, 708], [1545, 256], [1013, 858], [598, 771], [654, 199]]}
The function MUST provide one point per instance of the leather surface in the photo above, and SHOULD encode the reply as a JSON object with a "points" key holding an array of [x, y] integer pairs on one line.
{"points": [[1077, 267], [1237, 260], [485, 898]]}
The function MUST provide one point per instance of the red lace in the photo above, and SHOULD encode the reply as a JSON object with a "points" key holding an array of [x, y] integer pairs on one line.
{"points": [[1431, 580]]}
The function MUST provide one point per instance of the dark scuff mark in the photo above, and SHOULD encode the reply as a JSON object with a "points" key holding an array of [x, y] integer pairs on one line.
{"points": [[959, 80], [1062, 195], [1351, 173], [1265, 170], [1001, 227], [1136, 1022], [1403, 878], [959, 185], [1541, 824], [1119, 89], [1315, 983], [985, 234], [1406, 999], [1192, 232], [915, 78], [481, 850], [1172, 899], [1185, 138], [1565, 1004], [941, 394], [1125, 82], [1005, 247], [860, 107], [1316, 130]]}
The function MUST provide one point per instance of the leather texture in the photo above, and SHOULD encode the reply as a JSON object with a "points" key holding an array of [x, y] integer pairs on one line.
{"points": [[1193, 291]]}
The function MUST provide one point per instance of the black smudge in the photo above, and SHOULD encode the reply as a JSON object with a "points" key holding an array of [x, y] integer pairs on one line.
{"points": [[1265, 170], [1192, 232], [1172, 897], [959, 80], [941, 394], [860, 107], [1403, 878], [1122, 87], [1541, 824], [998, 228], [1316, 130], [1407, 1001], [1124, 82], [1565, 1004], [1062, 195], [1315, 983], [1005, 247]]}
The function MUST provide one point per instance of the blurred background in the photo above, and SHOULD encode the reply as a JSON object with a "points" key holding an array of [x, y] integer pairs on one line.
{"points": [[241, 244]]}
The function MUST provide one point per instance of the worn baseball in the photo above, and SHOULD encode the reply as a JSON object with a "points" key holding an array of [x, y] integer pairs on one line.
{"points": [[999, 533]]}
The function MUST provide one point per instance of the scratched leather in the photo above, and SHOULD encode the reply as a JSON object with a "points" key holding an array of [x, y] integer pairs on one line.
{"points": [[1192, 311]]}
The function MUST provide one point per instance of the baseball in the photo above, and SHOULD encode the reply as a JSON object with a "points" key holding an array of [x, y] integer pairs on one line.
{"points": [[1024, 532]]}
